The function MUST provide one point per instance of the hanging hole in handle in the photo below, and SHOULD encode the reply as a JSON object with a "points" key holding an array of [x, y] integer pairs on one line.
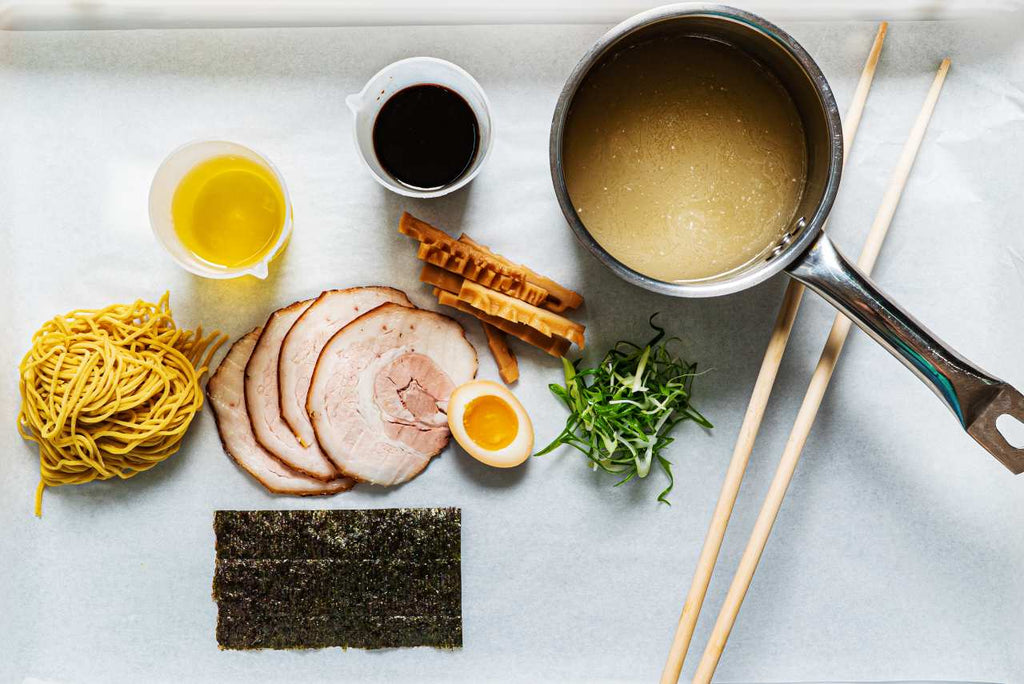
{"points": [[998, 425], [1011, 429]]}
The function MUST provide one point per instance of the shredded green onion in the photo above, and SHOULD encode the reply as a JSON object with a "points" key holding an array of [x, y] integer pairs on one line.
{"points": [[621, 411]]}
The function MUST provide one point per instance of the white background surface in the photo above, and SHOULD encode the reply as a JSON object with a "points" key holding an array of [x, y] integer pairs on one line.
{"points": [[159, 14], [897, 554]]}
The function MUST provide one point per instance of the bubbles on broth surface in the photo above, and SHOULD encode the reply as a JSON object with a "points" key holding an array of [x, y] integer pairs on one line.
{"points": [[684, 158]]}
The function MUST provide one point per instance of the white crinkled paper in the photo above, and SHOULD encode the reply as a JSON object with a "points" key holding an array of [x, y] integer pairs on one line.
{"points": [[897, 554]]}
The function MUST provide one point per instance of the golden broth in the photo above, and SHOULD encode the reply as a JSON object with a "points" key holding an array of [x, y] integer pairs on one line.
{"points": [[684, 158]]}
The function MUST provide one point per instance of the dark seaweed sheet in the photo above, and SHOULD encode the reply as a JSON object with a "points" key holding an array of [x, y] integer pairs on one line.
{"points": [[379, 578]]}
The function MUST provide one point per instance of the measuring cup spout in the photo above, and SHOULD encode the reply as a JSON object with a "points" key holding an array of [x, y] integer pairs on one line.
{"points": [[976, 398], [260, 270], [354, 102]]}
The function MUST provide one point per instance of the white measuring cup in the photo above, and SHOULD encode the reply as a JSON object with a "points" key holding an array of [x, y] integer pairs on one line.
{"points": [[161, 194], [366, 104]]}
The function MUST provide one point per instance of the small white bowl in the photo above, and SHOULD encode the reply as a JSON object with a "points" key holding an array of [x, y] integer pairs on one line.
{"points": [[161, 194], [366, 104]]}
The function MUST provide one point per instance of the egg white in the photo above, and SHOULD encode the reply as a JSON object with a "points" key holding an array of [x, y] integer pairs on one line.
{"points": [[507, 457]]}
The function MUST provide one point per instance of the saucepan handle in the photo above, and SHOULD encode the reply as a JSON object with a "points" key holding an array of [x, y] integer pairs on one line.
{"points": [[976, 398]]}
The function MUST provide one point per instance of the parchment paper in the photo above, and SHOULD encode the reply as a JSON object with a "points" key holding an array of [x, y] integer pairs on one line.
{"points": [[898, 552]]}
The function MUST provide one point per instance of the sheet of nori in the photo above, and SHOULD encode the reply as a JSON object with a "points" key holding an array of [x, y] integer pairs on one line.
{"points": [[378, 578]]}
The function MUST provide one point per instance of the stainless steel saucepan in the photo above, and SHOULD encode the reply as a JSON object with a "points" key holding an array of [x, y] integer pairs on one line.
{"points": [[976, 398]]}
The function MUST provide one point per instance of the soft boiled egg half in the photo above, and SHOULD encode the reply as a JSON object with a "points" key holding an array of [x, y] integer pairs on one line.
{"points": [[490, 424]]}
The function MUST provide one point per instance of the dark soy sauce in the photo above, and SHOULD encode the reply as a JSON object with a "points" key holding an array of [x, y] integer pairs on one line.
{"points": [[426, 136]]}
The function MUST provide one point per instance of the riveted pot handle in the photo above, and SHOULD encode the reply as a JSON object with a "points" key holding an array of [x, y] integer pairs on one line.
{"points": [[976, 398]]}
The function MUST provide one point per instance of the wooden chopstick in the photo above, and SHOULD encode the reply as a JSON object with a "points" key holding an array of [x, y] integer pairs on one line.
{"points": [[812, 399], [756, 408]]}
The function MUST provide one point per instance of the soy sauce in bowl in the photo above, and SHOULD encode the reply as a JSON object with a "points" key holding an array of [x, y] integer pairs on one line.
{"points": [[426, 136]]}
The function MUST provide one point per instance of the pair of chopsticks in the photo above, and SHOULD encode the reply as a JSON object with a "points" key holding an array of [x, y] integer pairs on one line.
{"points": [[808, 409]]}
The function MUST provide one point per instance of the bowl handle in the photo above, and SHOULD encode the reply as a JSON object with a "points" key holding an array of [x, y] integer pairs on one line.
{"points": [[976, 398]]}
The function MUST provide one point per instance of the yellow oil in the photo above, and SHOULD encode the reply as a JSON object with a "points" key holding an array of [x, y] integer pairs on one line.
{"points": [[490, 422], [229, 211]]}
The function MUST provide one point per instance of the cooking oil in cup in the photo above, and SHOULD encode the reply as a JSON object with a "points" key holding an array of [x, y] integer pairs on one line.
{"points": [[228, 211], [220, 209]]}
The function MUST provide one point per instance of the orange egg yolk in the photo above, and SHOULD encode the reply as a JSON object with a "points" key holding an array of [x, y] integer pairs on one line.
{"points": [[490, 422]]}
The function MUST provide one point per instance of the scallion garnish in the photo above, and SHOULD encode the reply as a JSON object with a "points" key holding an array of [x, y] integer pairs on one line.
{"points": [[621, 411]]}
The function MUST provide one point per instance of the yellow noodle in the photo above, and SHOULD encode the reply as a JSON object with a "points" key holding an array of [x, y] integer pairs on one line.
{"points": [[110, 392]]}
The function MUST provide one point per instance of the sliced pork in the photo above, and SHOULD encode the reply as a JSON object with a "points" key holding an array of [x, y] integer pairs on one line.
{"points": [[380, 389], [226, 390], [332, 311], [263, 400]]}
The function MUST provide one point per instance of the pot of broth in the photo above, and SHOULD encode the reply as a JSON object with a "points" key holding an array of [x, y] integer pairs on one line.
{"points": [[696, 150]]}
